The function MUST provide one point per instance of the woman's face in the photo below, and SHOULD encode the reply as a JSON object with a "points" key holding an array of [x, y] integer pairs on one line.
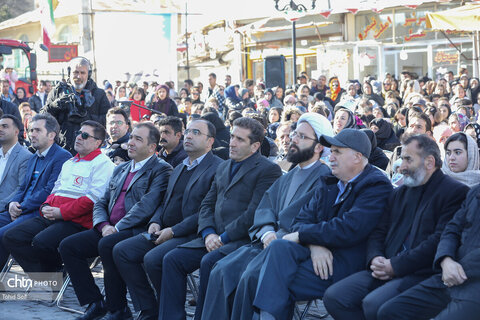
{"points": [[444, 112], [471, 132], [377, 113], [273, 116], [374, 128], [352, 91], [268, 96], [457, 158], [402, 120], [294, 117], [305, 91], [279, 93], [162, 93], [340, 120], [454, 124], [137, 96], [183, 94], [121, 93], [20, 93], [335, 84], [367, 89], [460, 92], [394, 85]]}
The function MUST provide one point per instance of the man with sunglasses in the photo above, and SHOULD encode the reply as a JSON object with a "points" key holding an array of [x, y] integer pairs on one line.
{"points": [[132, 196], [68, 209]]}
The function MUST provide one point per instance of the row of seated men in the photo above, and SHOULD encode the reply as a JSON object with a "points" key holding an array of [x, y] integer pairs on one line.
{"points": [[262, 240]]}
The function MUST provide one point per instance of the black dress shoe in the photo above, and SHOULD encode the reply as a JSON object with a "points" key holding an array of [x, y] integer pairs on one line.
{"points": [[123, 314], [147, 315], [94, 311]]}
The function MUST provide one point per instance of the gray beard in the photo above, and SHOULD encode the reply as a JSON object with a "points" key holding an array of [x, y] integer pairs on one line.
{"points": [[80, 86], [415, 179]]}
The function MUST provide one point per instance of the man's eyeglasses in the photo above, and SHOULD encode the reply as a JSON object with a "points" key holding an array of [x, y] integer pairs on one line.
{"points": [[118, 123], [300, 136], [85, 135], [195, 132]]}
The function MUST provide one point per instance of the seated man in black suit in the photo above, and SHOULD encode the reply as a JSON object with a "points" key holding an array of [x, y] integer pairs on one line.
{"points": [[401, 249], [174, 223], [225, 216], [122, 212], [274, 215], [455, 292]]}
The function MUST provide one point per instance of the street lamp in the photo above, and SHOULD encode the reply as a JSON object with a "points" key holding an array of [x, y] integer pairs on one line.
{"points": [[299, 8]]}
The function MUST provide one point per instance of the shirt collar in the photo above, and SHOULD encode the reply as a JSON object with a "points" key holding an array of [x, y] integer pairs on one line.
{"points": [[341, 186], [308, 166], [44, 153], [9, 152], [89, 157], [195, 162], [135, 166]]}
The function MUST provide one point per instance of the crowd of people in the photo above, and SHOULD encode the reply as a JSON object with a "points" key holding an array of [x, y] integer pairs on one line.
{"points": [[363, 195]]}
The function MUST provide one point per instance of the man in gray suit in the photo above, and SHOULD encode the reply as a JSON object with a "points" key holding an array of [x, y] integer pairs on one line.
{"points": [[225, 216], [131, 198], [273, 217], [13, 158]]}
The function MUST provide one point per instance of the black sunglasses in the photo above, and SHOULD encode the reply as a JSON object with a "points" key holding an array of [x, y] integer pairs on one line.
{"points": [[85, 135]]}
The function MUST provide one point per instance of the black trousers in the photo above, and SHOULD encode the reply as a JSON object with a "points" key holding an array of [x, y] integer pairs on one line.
{"points": [[360, 296], [76, 249], [129, 256], [428, 300], [34, 243]]}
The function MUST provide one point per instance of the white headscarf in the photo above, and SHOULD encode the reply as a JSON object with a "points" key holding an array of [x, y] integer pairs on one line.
{"points": [[471, 175]]}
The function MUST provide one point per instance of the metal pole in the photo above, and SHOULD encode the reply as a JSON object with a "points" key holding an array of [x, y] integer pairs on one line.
{"points": [[294, 47], [186, 40]]}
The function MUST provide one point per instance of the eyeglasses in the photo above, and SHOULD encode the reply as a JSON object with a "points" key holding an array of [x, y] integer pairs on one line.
{"points": [[85, 135], [195, 132], [118, 123], [300, 136]]}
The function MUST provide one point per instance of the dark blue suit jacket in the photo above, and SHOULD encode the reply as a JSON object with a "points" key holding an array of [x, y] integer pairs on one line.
{"points": [[43, 186], [343, 226]]}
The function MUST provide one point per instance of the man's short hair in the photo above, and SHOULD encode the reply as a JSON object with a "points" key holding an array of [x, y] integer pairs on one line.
{"points": [[212, 131], [257, 131], [248, 83], [189, 82], [43, 83], [120, 111], [424, 117], [16, 122], [153, 133], [51, 124], [174, 122], [427, 146], [99, 131], [213, 75]]}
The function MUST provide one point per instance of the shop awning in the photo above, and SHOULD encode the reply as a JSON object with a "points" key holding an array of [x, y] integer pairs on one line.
{"points": [[464, 18]]}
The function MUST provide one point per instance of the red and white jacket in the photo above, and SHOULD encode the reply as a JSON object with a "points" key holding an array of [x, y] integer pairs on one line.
{"points": [[80, 184]]}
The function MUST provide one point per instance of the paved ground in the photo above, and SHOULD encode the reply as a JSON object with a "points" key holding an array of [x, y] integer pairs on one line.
{"points": [[42, 310]]}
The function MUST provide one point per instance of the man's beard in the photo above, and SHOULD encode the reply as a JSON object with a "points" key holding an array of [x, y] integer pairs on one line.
{"points": [[415, 178], [299, 156], [80, 86]]}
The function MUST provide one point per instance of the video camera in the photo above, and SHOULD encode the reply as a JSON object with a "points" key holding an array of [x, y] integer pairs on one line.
{"points": [[75, 103]]}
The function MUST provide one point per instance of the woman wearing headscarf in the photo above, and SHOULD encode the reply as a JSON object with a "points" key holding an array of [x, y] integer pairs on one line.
{"points": [[272, 100], [370, 95], [335, 90], [386, 138], [350, 97], [164, 104], [377, 156], [462, 159], [344, 118], [473, 130], [232, 99]]}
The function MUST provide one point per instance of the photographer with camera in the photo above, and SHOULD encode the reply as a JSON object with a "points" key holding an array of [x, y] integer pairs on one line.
{"points": [[73, 103]]}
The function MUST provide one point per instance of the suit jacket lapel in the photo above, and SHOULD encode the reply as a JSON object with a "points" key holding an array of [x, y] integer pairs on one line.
{"points": [[202, 167], [124, 173], [175, 176], [140, 172], [244, 168]]}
